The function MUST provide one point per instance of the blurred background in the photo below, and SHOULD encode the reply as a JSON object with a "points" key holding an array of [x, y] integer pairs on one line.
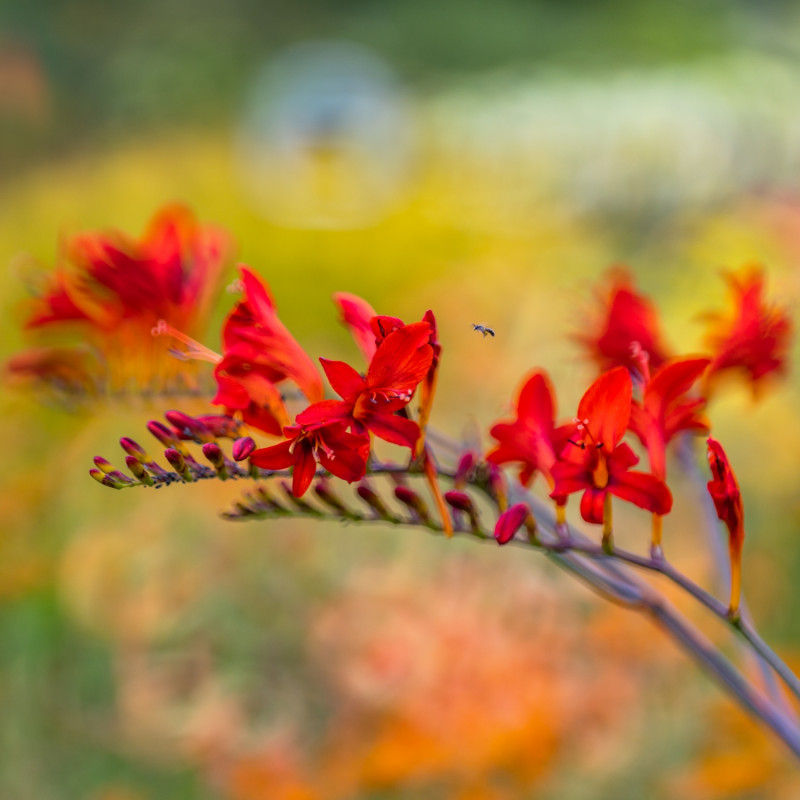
{"points": [[489, 161]]}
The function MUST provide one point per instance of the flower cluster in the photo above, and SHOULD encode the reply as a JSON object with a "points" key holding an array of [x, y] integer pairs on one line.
{"points": [[138, 303]]}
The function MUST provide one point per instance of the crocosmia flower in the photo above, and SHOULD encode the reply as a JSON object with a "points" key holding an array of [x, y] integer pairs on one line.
{"points": [[259, 353], [666, 408], [532, 438], [343, 454], [755, 337], [627, 317], [369, 403], [110, 291], [724, 491], [597, 463]]}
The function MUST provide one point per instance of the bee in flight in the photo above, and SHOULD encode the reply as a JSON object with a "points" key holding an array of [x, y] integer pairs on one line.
{"points": [[484, 329]]}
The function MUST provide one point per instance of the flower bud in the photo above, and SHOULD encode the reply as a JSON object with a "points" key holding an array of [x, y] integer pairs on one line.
{"points": [[411, 499], [134, 449], [243, 447], [138, 471], [188, 427], [509, 522], [373, 500]]}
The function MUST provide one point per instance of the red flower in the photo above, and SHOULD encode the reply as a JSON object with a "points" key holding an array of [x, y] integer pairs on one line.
{"points": [[724, 491], [755, 338], [259, 352], [665, 409], [170, 274], [531, 439], [369, 403], [628, 317], [599, 465], [343, 454], [114, 289]]}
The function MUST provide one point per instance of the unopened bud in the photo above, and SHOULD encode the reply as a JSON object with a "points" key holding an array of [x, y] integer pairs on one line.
{"points": [[178, 463], [213, 452], [373, 500], [138, 471], [103, 465], [323, 490], [189, 427], [465, 469], [134, 449], [509, 522], [221, 425], [410, 498], [243, 447], [166, 435]]}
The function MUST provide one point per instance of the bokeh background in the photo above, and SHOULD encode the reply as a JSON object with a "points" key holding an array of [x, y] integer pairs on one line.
{"points": [[486, 160]]}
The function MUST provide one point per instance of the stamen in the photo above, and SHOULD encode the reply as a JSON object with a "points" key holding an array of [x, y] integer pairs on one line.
{"points": [[195, 351]]}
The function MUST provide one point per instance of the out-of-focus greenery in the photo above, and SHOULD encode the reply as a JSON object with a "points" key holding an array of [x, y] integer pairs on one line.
{"points": [[151, 650]]}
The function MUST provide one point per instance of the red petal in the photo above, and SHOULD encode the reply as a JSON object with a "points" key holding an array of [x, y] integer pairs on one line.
{"points": [[394, 429], [402, 360], [276, 457], [344, 380], [622, 459], [607, 406], [305, 468], [325, 412], [643, 490], [356, 315], [535, 402], [350, 454], [672, 380], [593, 505]]}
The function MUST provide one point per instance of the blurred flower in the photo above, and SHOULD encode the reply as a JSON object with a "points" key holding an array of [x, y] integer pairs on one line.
{"points": [[599, 465], [111, 291], [665, 409], [755, 337], [627, 317]]}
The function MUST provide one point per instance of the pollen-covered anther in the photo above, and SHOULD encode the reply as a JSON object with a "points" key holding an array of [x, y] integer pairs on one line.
{"points": [[413, 501], [243, 447]]}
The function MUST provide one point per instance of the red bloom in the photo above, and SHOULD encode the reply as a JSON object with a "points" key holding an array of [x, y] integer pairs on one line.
{"points": [[627, 317], [665, 409], [259, 352], [532, 439], [170, 274], [343, 454], [114, 289], [369, 403], [599, 465], [724, 491], [755, 338]]}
